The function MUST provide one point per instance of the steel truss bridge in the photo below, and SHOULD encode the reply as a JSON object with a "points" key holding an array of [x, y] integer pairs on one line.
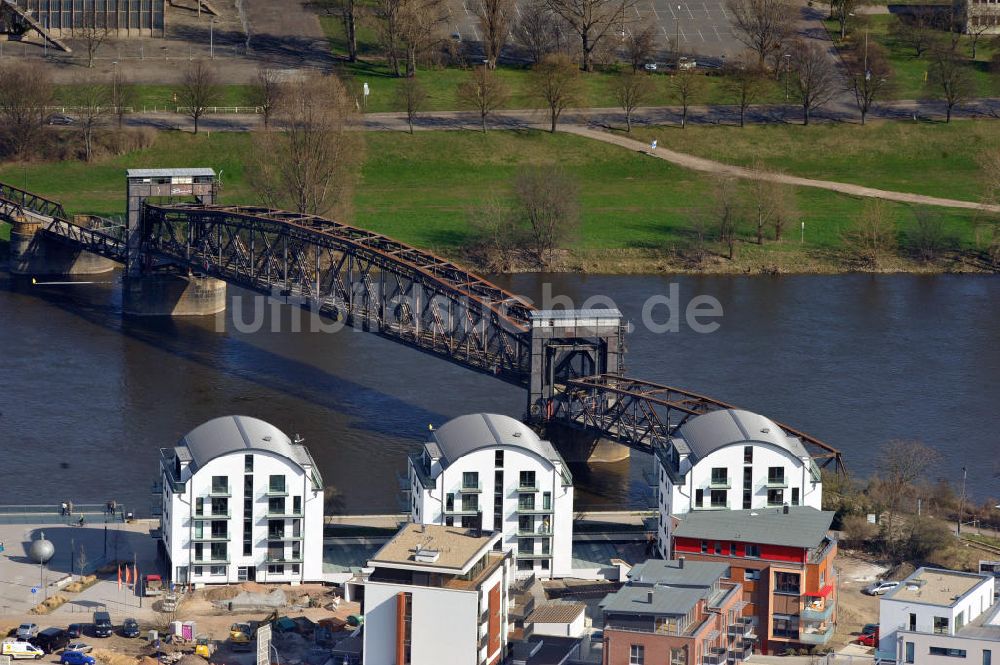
{"points": [[402, 293]]}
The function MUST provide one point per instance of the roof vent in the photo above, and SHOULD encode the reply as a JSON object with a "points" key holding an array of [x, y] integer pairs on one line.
{"points": [[426, 555], [765, 430], [517, 434], [267, 437]]}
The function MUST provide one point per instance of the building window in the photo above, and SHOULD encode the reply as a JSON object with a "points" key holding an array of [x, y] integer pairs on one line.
{"points": [[941, 625], [526, 546], [498, 482], [220, 507], [960, 620], [909, 652], [545, 564], [678, 656], [775, 475], [470, 480], [786, 626], [699, 498], [786, 583], [526, 502], [748, 454], [546, 546], [199, 506], [795, 496], [719, 498], [987, 657], [248, 463], [275, 569], [944, 651], [247, 549], [913, 621], [470, 503], [297, 505], [242, 573], [747, 499], [704, 547], [276, 485], [217, 570], [197, 571], [718, 548], [546, 500], [449, 520], [295, 569], [747, 478], [248, 504], [220, 485], [751, 575], [752, 551], [275, 529], [498, 459], [449, 501], [525, 523], [775, 497], [636, 654], [276, 505], [527, 480], [525, 564], [720, 476]]}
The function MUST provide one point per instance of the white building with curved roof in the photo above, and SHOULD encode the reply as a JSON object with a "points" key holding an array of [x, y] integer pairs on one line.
{"points": [[241, 501], [492, 471], [732, 460]]}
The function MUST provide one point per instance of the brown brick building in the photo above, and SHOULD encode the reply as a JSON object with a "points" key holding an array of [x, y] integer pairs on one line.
{"points": [[676, 613], [783, 557]]}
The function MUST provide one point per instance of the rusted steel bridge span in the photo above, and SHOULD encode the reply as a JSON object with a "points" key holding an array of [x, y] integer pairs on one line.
{"points": [[570, 362]]}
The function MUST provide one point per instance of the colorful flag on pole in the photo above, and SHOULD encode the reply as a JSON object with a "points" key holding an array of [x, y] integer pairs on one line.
{"points": [[135, 574], [128, 575], [119, 578]]}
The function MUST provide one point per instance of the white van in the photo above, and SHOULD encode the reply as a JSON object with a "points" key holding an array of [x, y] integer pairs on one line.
{"points": [[21, 649]]}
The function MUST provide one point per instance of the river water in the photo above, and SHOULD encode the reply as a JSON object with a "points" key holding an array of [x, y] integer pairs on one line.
{"points": [[856, 360]]}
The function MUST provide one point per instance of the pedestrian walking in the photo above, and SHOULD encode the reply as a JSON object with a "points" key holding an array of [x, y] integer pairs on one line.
{"points": [[114, 506], [81, 520], [652, 147], [69, 508], [63, 509]]}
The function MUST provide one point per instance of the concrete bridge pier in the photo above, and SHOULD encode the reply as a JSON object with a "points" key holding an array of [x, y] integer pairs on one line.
{"points": [[32, 253], [577, 445], [171, 294]]}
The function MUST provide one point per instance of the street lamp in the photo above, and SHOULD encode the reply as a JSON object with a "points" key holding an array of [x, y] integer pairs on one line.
{"points": [[788, 60], [211, 37], [677, 39]]}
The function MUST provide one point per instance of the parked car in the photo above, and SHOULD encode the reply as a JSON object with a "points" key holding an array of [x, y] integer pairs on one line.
{"points": [[51, 640], [20, 649], [60, 119], [687, 63], [869, 639], [130, 628], [75, 629], [26, 631], [102, 624], [82, 647], [650, 66], [869, 628], [878, 588], [76, 658]]}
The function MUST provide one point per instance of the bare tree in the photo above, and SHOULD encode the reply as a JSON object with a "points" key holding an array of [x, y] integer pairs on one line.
{"points": [[548, 208], [901, 465], [868, 74], [786, 213], [92, 100], [265, 92], [348, 15], [93, 32], [631, 91], [421, 29], [411, 97], [556, 81], [843, 11], [591, 20], [25, 91], [725, 208], [640, 46], [915, 29], [484, 92], [928, 238], [81, 561], [814, 77], [495, 19], [389, 20], [307, 165], [199, 89], [537, 30], [685, 86], [763, 26], [494, 236], [761, 203], [123, 95], [950, 79], [873, 234], [978, 27], [744, 81]]}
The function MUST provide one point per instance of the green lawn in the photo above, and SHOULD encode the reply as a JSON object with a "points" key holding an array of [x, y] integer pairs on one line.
{"points": [[932, 158], [149, 96], [421, 188], [910, 72], [442, 83]]}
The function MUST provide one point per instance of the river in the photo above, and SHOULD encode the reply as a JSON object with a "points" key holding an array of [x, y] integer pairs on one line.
{"points": [[855, 360]]}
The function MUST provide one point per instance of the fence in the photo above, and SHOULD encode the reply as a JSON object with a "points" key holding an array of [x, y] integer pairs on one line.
{"points": [[53, 514]]}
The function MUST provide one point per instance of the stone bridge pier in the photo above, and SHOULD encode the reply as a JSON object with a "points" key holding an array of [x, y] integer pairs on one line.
{"points": [[34, 253]]}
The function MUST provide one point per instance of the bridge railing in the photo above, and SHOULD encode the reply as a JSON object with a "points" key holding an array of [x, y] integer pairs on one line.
{"points": [[29, 201]]}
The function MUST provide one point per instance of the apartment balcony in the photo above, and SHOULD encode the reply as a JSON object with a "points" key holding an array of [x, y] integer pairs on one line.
{"points": [[276, 491], [281, 535], [462, 511], [812, 614], [742, 650], [527, 489], [470, 488], [534, 555], [281, 558], [715, 656], [283, 514], [210, 538], [214, 515], [210, 560], [815, 635], [534, 534], [534, 510], [776, 483], [743, 626], [720, 484], [220, 491]]}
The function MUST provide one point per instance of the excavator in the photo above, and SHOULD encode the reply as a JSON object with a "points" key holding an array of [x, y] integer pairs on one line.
{"points": [[241, 635]]}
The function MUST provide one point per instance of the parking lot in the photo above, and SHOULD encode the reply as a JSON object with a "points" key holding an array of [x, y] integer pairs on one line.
{"points": [[702, 27]]}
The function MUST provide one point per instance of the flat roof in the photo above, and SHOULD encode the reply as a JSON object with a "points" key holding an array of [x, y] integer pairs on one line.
{"points": [[556, 612], [168, 173], [936, 586], [458, 549], [654, 600], [692, 574], [801, 526]]}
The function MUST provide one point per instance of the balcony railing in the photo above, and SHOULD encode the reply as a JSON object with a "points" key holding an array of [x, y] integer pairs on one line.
{"points": [[720, 484], [714, 658], [742, 626], [458, 510], [534, 510], [812, 614], [284, 512], [470, 488], [527, 487], [776, 483], [280, 558], [213, 515], [210, 560], [274, 490], [534, 555], [210, 538], [534, 534], [220, 491], [817, 636], [281, 535]]}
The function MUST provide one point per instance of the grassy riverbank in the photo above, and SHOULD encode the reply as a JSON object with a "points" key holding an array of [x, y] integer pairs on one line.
{"points": [[637, 212]]}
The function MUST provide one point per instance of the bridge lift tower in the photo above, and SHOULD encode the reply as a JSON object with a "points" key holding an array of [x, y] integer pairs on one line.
{"points": [[571, 344]]}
